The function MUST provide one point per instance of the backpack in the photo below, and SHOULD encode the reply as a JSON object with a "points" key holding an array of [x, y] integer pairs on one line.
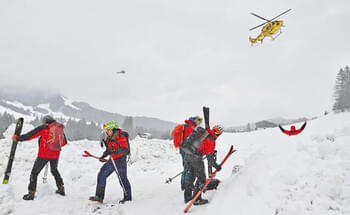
{"points": [[178, 135], [194, 141], [56, 138], [114, 137]]}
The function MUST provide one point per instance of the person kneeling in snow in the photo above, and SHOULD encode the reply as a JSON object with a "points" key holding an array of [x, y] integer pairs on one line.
{"points": [[117, 147], [50, 142], [292, 130], [201, 142]]}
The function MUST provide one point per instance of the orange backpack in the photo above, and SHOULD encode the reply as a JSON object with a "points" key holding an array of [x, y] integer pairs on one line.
{"points": [[178, 135], [56, 137]]}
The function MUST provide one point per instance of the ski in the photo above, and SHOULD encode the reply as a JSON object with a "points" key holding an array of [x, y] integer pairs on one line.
{"points": [[207, 126], [18, 131], [206, 117], [208, 180]]}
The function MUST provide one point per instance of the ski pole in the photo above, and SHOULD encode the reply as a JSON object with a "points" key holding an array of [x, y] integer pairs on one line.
{"points": [[45, 173], [87, 154], [116, 171], [172, 178]]}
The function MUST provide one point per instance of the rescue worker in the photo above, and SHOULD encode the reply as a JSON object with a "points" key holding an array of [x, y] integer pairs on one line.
{"points": [[200, 143], [189, 126], [45, 154], [117, 147]]}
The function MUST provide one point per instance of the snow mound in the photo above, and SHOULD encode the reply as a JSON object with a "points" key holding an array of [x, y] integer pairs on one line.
{"points": [[270, 173]]}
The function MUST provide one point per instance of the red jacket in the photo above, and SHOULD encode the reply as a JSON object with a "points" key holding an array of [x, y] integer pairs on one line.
{"points": [[118, 144], [208, 145], [292, 130], [42, 131]]}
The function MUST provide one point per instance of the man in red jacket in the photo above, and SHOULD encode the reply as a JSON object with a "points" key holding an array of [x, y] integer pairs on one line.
{"points": [[189, 126], [117, 147], [292, 130], [45, 154], [201, 142]]}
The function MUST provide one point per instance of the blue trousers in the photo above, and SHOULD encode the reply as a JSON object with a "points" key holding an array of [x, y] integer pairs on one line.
{"points": [[106, 170]]}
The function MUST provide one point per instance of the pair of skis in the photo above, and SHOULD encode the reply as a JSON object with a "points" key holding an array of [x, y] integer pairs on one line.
{"points": [[18, 131]]}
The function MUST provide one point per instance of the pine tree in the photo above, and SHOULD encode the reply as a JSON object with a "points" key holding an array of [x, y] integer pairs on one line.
{"points": [[128, 126], [342, 90], [6, 119]]}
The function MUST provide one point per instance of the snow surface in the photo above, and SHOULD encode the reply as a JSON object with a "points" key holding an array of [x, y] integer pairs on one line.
{"points": [[270, 173]]}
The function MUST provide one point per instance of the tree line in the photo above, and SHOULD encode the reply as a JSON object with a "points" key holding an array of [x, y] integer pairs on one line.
{"points": [[78, 129]]}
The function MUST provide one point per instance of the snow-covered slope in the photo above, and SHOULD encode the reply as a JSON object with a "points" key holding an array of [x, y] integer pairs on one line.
{"points": [[278, 174]]}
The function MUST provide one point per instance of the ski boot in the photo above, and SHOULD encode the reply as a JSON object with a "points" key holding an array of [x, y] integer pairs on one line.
{"points": [[125, 199], [60, 190], [96, 199], [29, 196]]}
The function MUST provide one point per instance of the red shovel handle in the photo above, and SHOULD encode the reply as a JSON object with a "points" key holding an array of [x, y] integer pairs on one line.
{"points": [[87, 154]]}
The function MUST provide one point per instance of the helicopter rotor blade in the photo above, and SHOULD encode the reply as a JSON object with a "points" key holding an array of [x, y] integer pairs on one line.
{"points": [[281, 14], [258, 26], [266, 19], [260, 17]]}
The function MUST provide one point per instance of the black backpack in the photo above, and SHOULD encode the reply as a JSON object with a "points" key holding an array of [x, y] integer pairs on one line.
{"points": [[194, 141]]}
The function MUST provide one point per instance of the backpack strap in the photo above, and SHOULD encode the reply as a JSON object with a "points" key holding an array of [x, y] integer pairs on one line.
{"points": [[183, 133]]}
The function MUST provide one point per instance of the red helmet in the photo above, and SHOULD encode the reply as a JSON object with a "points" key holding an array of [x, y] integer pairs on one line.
{"points": [[218, 129]]}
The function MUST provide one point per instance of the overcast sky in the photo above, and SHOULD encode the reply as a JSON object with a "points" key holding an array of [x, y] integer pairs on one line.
{"points": [[178, 55]]}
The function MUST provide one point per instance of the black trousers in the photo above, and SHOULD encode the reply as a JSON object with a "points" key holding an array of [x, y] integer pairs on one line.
{"points": [[195, 172], [38, 166]]}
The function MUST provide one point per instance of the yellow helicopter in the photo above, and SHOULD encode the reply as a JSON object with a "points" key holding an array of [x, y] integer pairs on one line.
{"points": [[270, 28]]}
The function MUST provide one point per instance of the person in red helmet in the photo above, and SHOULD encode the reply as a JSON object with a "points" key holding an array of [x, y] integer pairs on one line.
{"points": [[200, 143], [292, 130]]}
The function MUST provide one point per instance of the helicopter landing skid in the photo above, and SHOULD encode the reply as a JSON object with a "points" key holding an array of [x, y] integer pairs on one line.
{"points": [[273, 38]]}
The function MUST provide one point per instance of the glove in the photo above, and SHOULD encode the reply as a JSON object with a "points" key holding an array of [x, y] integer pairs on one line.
{"points": [[218, 168], [15, 137], [106, 153], [101, 159]]}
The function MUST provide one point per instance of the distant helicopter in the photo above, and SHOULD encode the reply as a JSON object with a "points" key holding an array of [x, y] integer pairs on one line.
{"points": [[270, 28], [121, 72]]}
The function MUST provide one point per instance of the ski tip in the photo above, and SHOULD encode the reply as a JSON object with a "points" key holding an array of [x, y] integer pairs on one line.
{"points": [[5, 181]]}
